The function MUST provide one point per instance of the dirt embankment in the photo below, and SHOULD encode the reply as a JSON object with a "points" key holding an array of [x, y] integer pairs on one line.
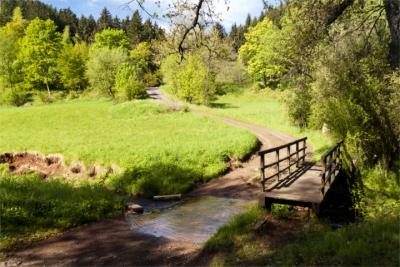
{"points": [[51, 165]]}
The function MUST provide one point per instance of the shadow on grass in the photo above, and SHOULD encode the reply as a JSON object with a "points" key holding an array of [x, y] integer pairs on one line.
{"points": [[31, 204], [222, 105], [156, 179]]}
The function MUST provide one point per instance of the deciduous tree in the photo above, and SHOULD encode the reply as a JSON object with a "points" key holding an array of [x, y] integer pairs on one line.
{"points": [[40, 48]]}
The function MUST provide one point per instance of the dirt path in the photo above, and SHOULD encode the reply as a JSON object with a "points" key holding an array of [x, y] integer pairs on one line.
{"points": [[113, 243], [241, 182]]}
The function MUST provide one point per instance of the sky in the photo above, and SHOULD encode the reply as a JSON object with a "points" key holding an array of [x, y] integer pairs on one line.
{"points": [[238, 9]]}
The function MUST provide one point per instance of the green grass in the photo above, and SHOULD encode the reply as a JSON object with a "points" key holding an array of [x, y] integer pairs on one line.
{"points": [[370, 243], [373, 242], [32, 208], [159, 151], [267, 109]]}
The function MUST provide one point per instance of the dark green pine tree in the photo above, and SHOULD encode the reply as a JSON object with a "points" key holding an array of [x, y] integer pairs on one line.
{"points": [[105, 20], [159, 32], [237, 36], [148, 32], [134, 28], [248, 22], [68, 18], [219, 28], [87, 28], [116, 23]]}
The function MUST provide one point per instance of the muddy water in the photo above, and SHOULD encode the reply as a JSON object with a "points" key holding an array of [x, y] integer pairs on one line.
{"points": [[194, 220]]}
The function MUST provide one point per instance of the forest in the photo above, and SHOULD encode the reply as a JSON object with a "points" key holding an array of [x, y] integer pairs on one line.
{"points": [[75, 97]]}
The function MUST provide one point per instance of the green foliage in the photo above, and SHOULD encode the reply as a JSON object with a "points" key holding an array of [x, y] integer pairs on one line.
{"points": [[127, 84], [264, 52], [10, 36], [370, 243], [143, 57], [352, 97], [381, 192], [102, 69], [190, 80], [31, 205], [72, 65], [40, 48], [16, 97], [111, 39], [298, 104], [156, 150]]}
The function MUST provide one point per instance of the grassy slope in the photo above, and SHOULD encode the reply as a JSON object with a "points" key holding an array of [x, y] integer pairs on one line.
{"points": [[33, 209], [144, 139], [374, 242], [265, 108], [159, 152]]}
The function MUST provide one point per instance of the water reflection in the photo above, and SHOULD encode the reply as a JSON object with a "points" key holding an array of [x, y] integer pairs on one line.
{"points": [[192, 220]]}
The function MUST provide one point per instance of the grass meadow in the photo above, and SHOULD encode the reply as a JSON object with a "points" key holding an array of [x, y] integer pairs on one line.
{"points": [[157, 150], [265, 108], [372, 242]]}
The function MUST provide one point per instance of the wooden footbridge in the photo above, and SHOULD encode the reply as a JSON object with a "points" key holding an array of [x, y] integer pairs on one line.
{"points": [[287, 178]]}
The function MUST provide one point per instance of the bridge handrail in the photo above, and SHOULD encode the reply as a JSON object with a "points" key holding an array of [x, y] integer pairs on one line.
{"points": [[297, 152], [331, 165]]}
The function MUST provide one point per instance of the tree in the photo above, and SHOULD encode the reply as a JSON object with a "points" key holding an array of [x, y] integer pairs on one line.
{"points": [[392, 8], [128, 85], [220, 30], [190, 80], [40, 48], [105, 20], [87, 28], [68, 18], [10, 35], [102, 68], [72, 63], [111, 38], [264, 52], [134, 28], [148, 32]]}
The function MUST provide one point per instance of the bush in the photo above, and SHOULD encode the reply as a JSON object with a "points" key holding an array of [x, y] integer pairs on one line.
{"points": [[16, 97], [190, 80], [127, 84], [298, 102], [102, 68]]}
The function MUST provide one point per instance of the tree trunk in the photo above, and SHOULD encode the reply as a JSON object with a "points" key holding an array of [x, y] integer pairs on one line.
{"points": [[48, 89], [392, 8]]}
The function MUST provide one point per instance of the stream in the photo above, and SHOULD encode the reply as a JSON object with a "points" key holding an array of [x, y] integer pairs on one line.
{"points": [[194, 220]]}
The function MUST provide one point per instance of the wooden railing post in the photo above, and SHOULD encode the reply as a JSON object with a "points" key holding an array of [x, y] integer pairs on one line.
{"points": [[297, 154], [277, 153], [262, 164], [289, 158]]}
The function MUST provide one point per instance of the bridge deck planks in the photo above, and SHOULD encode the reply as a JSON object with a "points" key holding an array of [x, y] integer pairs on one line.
{"points": [[302, 188]]}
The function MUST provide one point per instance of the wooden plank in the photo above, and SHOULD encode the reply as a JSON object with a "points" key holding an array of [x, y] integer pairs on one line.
{"points": [[306, 188]]}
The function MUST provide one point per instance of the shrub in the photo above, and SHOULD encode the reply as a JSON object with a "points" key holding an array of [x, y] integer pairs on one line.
{"points": [[190, 80], [102, 68], [127, 84], [16, 97]]}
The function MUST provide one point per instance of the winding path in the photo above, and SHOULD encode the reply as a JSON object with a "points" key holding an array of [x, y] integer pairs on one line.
{"points": [[112, 242]]}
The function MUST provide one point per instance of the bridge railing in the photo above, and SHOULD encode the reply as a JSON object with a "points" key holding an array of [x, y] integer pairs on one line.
{"points": [[293, 153], [331, 166]]}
